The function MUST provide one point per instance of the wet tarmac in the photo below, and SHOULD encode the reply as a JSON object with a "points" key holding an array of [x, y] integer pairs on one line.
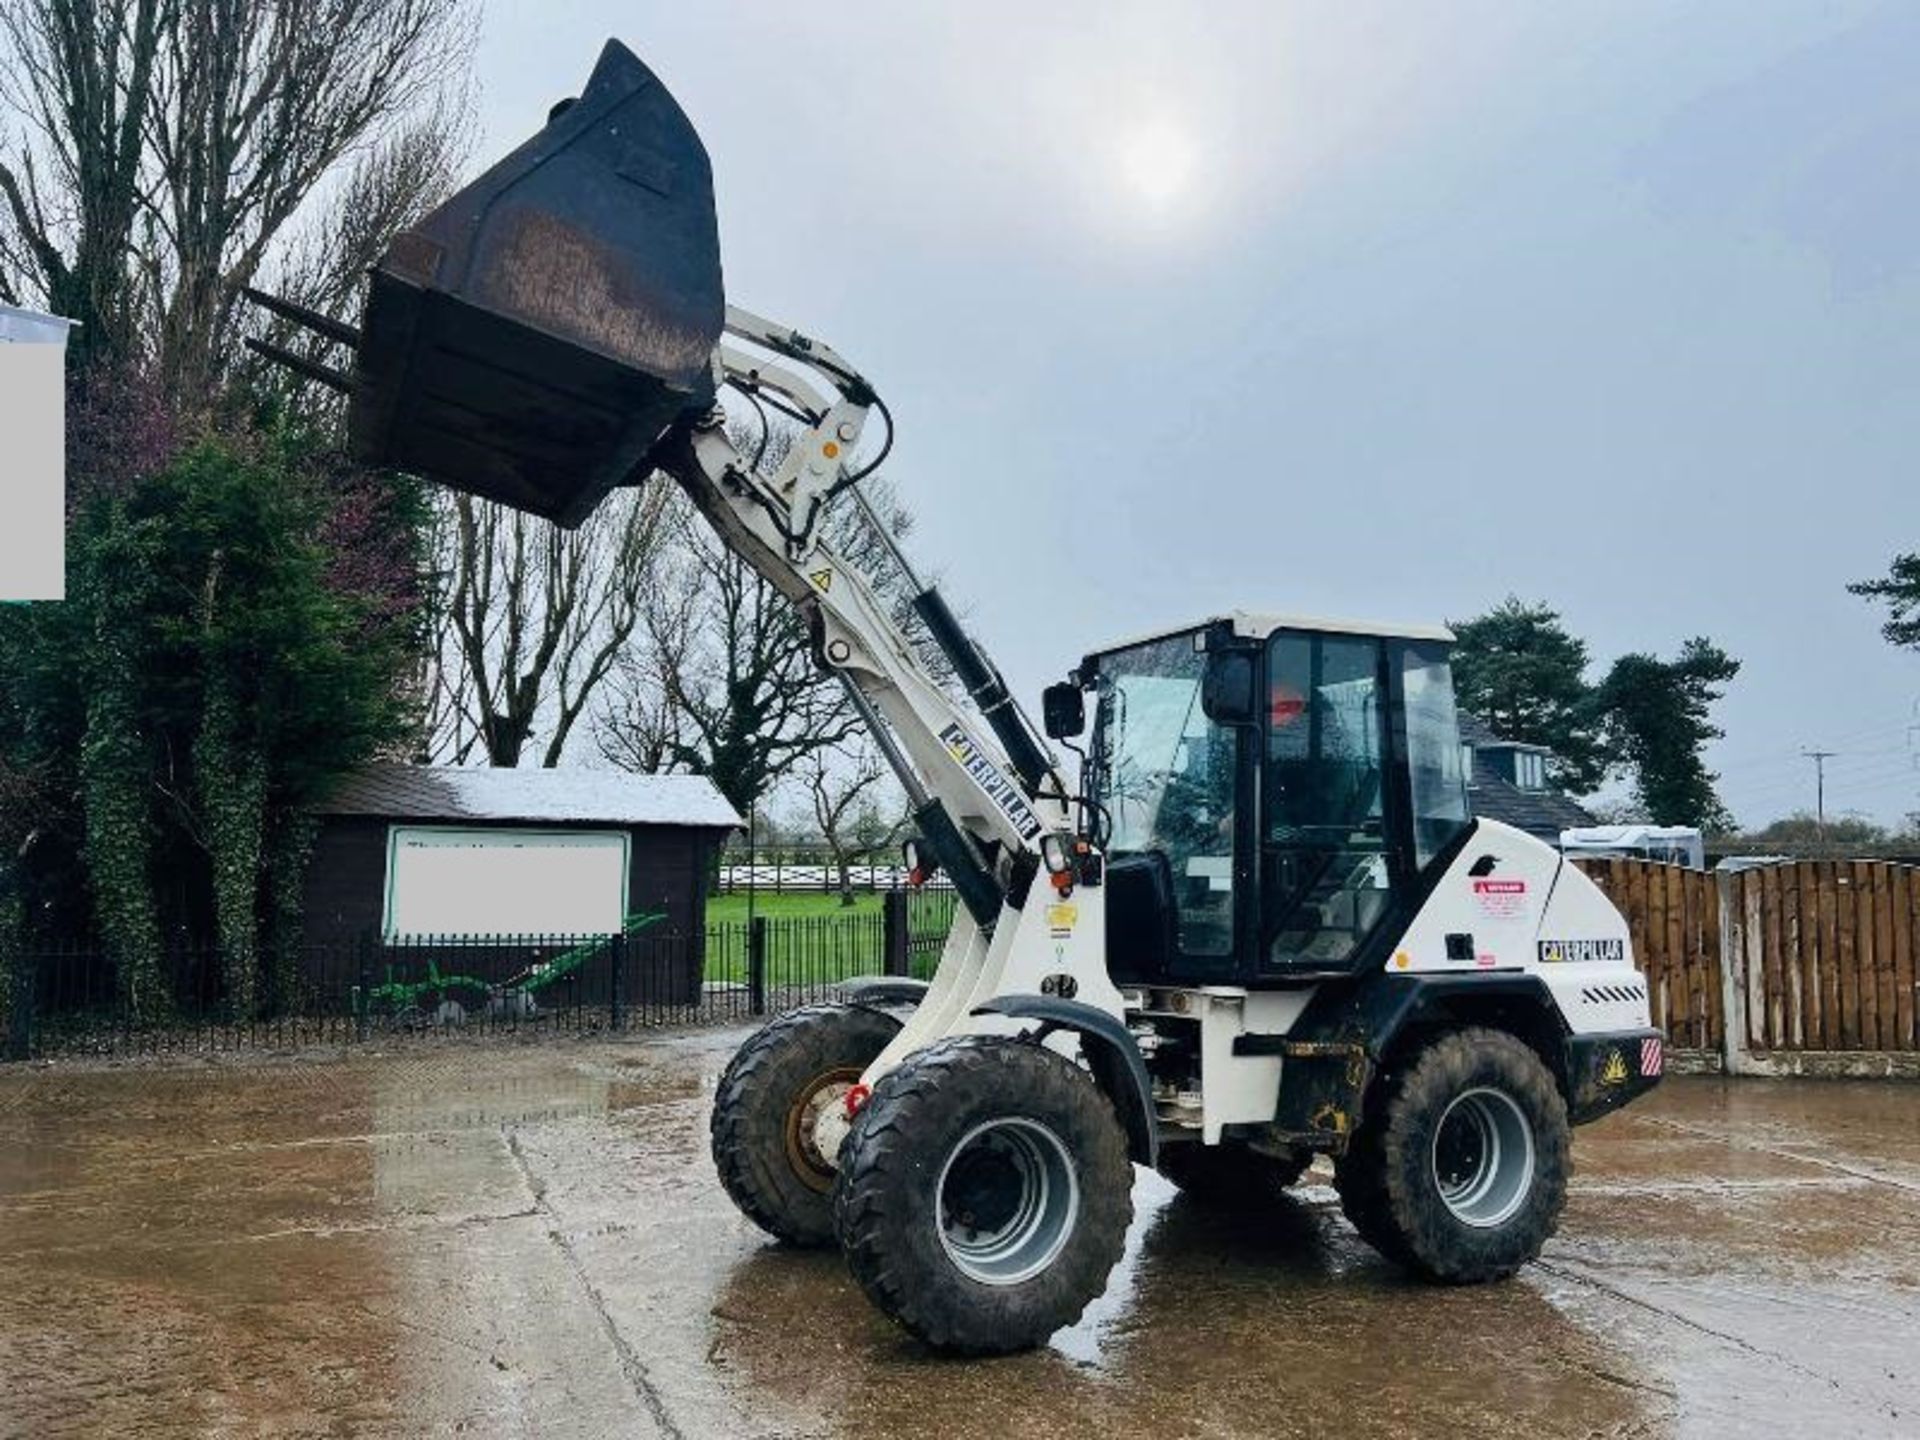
{"points": [[504, 1240]]}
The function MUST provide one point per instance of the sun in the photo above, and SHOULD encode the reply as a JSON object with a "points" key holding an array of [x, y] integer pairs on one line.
{"points": [[1157, 160]]}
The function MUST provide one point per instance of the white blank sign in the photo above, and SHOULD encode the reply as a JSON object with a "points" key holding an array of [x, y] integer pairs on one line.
{"points": [[32, 472], [505, 882]]}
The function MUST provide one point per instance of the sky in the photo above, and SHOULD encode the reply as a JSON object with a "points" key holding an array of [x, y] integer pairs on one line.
{"points": [[1357, 309]]}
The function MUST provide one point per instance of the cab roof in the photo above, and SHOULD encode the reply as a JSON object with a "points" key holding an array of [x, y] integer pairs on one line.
{"points": [[1258, 624]]}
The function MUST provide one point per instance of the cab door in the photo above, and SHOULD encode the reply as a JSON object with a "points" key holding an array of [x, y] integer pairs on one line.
{"points": [[1330, 864], [1362, 796]]}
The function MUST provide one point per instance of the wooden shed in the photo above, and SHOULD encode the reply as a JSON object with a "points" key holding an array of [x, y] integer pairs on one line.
{"points": [[419, 855]]}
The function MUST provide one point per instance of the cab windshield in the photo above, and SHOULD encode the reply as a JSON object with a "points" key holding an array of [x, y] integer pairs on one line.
{"points": [[1164, 774]]}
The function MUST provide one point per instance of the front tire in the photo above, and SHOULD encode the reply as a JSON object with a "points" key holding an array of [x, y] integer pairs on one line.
{"points": [[766, 1105], [984, 1194], [1460, 1170]]}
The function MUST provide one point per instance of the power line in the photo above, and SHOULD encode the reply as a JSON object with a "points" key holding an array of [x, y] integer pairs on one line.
{"points": [[1887, 770], [1774, 758], [1851, 770]]}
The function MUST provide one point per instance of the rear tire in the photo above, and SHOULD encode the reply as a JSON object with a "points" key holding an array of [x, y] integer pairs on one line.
{"points": [[1460, 1170], [763, 1113], [984, 1194], [1230, 1175]]}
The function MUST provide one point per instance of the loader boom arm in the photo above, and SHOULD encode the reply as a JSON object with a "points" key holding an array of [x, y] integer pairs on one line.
{"points": [[983, 797]]}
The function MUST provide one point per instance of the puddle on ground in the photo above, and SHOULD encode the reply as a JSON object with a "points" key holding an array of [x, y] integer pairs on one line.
{"points": [[1217, 1324], [515, 1239]]}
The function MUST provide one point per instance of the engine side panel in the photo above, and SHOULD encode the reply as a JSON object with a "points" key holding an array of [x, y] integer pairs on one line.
{"points": [[1510, 902]]}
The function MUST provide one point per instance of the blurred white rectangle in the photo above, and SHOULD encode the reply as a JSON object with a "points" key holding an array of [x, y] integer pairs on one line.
{"points": [[30, 327], [447, 882], [33, 349]]}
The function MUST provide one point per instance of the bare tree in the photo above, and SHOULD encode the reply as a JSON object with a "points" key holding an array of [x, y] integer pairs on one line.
{"points": [[324, 266], [78, 76], [534, 620], [722, 680], [165, 145], [253, 105], [844, 790], [725, 684]]}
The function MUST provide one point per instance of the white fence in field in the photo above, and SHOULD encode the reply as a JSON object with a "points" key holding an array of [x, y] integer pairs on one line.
{"points": [[814, 878]]}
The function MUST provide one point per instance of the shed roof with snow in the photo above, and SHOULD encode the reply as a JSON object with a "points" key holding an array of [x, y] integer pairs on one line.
{"points": [[549, 797]]}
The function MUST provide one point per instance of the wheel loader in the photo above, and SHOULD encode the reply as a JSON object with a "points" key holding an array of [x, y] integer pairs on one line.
{"points": [[1259, 926]]}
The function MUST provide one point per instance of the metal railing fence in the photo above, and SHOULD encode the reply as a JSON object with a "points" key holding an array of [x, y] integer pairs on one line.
{"points": [[75, 998]]}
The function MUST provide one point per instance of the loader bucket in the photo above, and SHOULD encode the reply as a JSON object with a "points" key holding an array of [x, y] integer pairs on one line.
{"points": [[532, 338]]}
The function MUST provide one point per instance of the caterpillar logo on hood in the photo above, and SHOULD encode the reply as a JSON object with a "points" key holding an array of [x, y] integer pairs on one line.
{"points": [[1578, 952], [1006, 798]]}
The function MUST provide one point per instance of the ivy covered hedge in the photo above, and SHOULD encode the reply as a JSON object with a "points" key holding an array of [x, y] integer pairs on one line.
{"points": [[240, 629]]}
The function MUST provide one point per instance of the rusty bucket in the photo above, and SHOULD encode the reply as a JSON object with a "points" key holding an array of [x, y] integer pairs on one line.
{"points": [[532, 339]]}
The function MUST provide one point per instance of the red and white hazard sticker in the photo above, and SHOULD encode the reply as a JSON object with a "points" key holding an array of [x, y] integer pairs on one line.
{"points": [[1500, 899], [1650, 1057]]}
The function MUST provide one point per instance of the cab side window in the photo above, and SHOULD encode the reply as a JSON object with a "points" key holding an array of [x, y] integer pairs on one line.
{"points": [[1434, 755]]}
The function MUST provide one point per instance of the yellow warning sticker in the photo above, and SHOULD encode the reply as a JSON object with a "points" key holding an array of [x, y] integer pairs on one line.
{"points": [[1615, 1071], [822, 579], [1062, 917]]}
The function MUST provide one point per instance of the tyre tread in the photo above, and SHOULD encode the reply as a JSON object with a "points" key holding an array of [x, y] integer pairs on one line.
{"points": [[744, 1153], [947, 1311], [1408, 1223]]}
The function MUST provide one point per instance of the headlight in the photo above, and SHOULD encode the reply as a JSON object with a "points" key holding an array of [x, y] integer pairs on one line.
{"points": [[1056, 853]]}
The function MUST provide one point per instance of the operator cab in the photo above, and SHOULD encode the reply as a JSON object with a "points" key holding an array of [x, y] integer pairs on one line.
{"points": [[1276, 795]]}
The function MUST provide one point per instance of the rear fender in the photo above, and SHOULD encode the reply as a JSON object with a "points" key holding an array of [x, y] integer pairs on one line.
{"points": [[1349, 1034]]}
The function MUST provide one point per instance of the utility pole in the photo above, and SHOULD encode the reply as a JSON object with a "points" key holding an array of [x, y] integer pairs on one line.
{"points": [[1820, 758]]}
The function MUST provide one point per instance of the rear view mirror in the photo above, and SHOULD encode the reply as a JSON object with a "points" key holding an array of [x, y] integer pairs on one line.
{"points": [[1063, 710], [1226, 691]]}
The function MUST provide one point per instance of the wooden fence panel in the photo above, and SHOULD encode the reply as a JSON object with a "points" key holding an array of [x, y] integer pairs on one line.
{"points": [[1708, 949], [1831, 960], [1865, 957], [1856, 914], [1906, 932], [1793, 986], [1827, 951], [1753, 899], [1673, 919], [1847, 930], [1885, 878], [1773, 981]]}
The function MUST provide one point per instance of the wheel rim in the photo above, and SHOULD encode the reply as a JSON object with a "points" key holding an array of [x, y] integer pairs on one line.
{"points": [[803, 1150], [1483, 1157], [1009, 1199]]}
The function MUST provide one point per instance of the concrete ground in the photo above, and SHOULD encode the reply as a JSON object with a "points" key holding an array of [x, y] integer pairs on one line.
{"points": [[496, 1239]]}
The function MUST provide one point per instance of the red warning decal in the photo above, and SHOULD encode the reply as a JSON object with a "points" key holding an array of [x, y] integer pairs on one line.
{"points": [[1500, 899]]}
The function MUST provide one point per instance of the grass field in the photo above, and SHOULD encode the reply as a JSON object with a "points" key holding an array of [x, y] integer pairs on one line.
{"points": [[815, 940], [732, 909]]}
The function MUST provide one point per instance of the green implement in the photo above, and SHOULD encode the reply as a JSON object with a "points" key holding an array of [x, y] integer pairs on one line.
{"points": [[433, 999]]}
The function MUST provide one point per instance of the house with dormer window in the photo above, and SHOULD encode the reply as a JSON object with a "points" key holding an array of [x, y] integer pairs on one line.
{"points": [[1507, 781]]}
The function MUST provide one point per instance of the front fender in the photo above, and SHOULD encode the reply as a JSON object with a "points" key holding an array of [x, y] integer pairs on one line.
{"points": [[1111, 1055], [883, 992]]}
